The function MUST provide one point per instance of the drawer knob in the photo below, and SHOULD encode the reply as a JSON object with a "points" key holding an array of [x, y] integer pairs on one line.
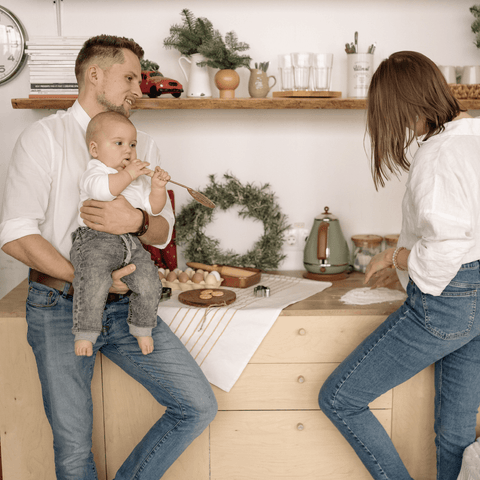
{"points": [[302, 331], [300, 426], [301, 379]]}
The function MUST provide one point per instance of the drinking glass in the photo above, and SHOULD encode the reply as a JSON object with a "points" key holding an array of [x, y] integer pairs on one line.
{"points": [[286, 71], [302, 65], [322, 71]]}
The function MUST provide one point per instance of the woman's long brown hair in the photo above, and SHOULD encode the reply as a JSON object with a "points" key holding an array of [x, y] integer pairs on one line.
{"points": [[406, 86]]}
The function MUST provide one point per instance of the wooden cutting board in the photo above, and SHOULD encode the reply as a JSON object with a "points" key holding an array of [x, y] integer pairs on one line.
{"points": [[192, 297]]}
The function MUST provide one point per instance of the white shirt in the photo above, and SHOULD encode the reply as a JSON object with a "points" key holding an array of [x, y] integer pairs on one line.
{"points": [[441, 206], [42, 187], [94, 184]]}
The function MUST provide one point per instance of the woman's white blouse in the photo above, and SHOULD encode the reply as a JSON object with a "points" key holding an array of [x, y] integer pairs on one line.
{"points": [[441, 206]]}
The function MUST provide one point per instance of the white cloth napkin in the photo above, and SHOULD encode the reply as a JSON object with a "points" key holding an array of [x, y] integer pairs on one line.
{"points": [[223, 339]]}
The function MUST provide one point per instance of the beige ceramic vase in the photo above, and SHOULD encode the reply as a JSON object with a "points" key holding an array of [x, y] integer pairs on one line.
{"points": [[258, 85], [227, 81]]}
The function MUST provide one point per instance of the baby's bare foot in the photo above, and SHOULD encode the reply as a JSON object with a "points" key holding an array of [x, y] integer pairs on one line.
{"points": [[83, 348], [145, 344]]}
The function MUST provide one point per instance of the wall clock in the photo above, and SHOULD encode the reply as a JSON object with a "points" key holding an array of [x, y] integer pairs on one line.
{"points": [[12, 45]]}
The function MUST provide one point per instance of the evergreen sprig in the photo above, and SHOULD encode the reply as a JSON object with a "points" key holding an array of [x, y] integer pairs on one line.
{"points": [[190, 35], [149, 66], [475, 11], [258, 203], [224, 54]]}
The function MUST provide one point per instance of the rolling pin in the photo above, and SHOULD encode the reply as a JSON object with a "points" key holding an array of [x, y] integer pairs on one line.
{"points": [[228, 271]]}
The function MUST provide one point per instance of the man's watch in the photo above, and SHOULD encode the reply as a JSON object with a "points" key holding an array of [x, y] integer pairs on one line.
{"points": [[145, 224]]}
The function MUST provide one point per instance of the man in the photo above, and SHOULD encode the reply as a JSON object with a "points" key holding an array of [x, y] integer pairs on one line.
{"points": [[38, 216]]}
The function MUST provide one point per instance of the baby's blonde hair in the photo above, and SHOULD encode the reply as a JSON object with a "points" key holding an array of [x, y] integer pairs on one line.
{"points": [[98, 121]]}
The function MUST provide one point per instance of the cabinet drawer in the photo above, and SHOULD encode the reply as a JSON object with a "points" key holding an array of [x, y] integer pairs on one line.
{"points": [[314, 339], [286, 445], [282, 387]]}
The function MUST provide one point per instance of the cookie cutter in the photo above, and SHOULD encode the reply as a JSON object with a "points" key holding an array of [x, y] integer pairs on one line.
{"points": [[261, 291], [166, 294]]}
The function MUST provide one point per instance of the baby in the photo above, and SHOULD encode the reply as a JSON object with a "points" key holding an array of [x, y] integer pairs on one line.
{"points": [[115, 170]]}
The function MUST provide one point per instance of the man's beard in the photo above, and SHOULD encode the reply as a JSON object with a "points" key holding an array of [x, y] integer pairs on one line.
{"points": [[110, 107]]}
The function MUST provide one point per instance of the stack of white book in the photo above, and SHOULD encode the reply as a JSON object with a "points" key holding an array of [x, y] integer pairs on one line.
{"points": [[52, 66]]}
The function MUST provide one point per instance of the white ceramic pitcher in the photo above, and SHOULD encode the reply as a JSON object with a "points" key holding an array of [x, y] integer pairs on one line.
{"points": [[199, 79]]}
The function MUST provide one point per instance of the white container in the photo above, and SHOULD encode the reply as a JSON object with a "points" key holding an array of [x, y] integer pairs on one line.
{"points": [[199, 79], [359, 74]]}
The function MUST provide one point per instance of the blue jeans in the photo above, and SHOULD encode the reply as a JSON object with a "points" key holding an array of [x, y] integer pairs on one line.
{"points": [[169, 373], [442, 330], [95, 255]]}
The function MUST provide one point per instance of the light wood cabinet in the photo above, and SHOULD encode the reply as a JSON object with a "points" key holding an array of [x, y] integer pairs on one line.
{"points": [[268, 427]]}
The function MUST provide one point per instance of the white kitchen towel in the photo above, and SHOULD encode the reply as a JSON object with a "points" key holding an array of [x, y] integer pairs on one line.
{"points": [[223, 339]]}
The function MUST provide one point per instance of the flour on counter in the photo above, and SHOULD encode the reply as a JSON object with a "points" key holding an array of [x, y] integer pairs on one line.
{"points": [[365, 296]]}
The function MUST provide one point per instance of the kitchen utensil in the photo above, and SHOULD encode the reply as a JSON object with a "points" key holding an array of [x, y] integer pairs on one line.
{"points": [[199, 197], [356, 42], [192, 298], [326, 250], [222, 269], [261, 291]]}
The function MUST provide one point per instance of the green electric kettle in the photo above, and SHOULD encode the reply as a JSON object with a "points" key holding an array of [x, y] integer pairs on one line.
{"points": [[326, 250]]}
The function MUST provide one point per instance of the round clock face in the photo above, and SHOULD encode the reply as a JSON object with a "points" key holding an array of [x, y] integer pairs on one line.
{"points": [[12, 45]]}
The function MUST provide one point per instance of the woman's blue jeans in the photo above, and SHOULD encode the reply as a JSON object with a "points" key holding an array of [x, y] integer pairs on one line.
{"points": [[442, 330], [169, 373]]}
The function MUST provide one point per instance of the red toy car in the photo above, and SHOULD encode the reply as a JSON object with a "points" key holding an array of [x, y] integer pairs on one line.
{"points": [[154, 84]]}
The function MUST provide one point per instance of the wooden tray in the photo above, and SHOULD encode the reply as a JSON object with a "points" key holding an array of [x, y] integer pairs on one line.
{"points": [[192, 298], [299, 93], [236, 282]]}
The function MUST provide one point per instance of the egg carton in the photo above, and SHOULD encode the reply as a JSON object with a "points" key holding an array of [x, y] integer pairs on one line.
{"points": [[209, 280]]}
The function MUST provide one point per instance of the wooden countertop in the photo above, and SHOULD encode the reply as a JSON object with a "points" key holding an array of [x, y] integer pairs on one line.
{"points": [[324, 303], [328, 302]]}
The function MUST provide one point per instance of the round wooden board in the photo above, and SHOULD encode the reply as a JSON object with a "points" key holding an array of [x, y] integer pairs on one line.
{"points": [[192, 298]]}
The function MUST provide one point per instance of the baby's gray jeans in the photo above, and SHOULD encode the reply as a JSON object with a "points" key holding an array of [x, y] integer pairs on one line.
{"points": [[95, 255]]}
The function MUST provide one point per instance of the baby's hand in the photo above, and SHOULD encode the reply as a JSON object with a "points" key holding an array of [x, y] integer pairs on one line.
{"points": [[136, 168], [160, 178]]}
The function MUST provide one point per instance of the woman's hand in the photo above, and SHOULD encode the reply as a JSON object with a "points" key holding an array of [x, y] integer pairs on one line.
{"points": [[379, 262]]}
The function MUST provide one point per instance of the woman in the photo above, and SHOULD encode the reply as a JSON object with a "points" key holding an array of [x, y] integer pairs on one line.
{"points": [[437, 260]]}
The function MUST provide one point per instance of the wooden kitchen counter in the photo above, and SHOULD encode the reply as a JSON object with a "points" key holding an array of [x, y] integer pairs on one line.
{"points": [[269, 426]]}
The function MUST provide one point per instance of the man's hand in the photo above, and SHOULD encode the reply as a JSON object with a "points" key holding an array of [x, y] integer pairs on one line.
{"points": [[116, 217], [117, 285]]}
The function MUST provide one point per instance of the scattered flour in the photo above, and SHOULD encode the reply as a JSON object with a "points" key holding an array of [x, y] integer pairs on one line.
{"points": [[365, 296]]}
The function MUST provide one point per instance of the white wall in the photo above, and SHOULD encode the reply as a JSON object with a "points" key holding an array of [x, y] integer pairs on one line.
{"points": [[310, 158]]}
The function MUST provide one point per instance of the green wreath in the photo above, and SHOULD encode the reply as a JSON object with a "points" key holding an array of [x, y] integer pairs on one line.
{"points": [[256, 202]]}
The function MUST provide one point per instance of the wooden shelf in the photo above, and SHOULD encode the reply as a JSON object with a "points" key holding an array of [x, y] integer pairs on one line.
{"points": [[208, 103], [219, 104]]}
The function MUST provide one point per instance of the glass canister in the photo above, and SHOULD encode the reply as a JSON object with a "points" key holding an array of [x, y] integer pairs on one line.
{"points": [[366, 247], [391, 240]]}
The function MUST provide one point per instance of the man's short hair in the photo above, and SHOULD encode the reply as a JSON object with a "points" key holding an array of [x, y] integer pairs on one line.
{"points": [[104, 50]]}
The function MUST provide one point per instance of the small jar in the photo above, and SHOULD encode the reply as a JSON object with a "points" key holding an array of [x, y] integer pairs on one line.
{"points": [[391, 240], [366, 247]]}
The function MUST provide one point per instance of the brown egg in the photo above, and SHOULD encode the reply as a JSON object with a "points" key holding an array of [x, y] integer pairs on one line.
{"points": [[197, 278], [160, 275], [171, 277], [183, 277]]}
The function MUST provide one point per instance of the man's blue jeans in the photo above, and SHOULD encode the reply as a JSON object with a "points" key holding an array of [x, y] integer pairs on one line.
{"points": [[426, 330], [169, 373]]}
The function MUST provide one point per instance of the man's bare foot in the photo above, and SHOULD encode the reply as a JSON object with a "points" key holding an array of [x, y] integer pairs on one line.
{"points": [[83, 348], [145, 344]]}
